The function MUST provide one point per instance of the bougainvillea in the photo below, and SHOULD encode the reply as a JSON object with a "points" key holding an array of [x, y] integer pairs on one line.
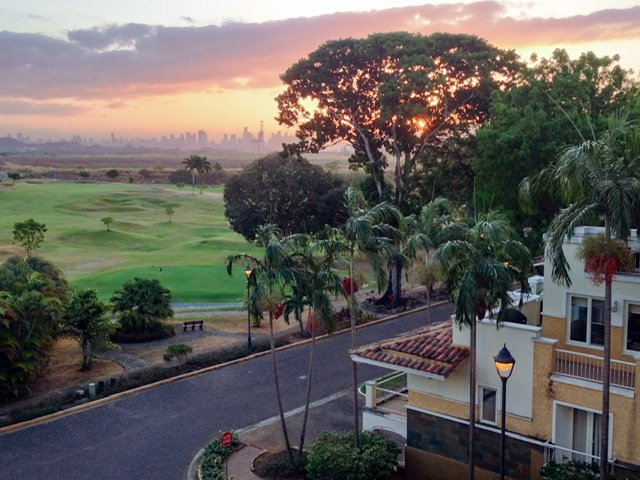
{"points": [[601, 268], [604, 257]]}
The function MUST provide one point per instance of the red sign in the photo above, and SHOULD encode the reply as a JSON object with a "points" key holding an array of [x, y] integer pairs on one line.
{"points": [[226, 439]]}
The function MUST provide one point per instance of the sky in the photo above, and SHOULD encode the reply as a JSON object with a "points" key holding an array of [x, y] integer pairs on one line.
{"points": [[148, 68]]}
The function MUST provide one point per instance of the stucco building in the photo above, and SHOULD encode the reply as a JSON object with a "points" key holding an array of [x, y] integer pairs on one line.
{"points": [[553, 396]]}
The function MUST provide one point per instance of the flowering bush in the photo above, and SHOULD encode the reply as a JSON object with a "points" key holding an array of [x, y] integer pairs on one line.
{"points": [[604, 257]]}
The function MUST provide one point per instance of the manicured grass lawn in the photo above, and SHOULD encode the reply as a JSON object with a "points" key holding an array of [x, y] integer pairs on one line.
{"points": [[191, 249]]}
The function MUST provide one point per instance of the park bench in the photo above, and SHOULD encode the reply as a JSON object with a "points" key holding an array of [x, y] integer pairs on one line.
{"points": [[192, 324]]}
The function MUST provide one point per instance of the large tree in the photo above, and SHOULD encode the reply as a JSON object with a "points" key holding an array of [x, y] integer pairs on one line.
{"points": [[395, 94], [557, 100], [392, 92], [597, 179], [291, 193]]}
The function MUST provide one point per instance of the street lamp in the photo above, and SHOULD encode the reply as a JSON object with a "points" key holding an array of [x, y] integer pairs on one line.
{"points": [[504, 366], [247, 271]]}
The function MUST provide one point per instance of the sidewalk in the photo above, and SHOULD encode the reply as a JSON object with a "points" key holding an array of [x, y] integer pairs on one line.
{"points": [[333, 413]]}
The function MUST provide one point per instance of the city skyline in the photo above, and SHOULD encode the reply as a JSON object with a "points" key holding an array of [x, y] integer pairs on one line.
{"points": [[89, 68]]}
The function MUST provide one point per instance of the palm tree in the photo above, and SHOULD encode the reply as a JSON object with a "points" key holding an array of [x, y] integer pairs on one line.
{"points": [[425, 233], [320, 283], [274, 271], [480, 272], [366, 232], [597, 178], [197, 164]]}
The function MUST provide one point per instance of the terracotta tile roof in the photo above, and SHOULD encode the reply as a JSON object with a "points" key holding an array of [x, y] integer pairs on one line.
{"points": [[429, 350]]}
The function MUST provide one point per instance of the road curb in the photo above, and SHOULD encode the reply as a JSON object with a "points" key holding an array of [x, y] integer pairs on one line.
{"points": [[118, 396]]}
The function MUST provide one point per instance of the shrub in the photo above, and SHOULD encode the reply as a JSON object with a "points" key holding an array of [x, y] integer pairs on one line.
{"points": [[159, 332], [573, 470], [333, 457], [112, 174], [212, 461], [179, 351], [278, 465], [141, 305], [604, 257]]}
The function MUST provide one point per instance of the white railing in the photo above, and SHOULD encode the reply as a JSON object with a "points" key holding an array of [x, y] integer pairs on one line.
{"points": [[590, 367], [388, 394], [559, 454]]}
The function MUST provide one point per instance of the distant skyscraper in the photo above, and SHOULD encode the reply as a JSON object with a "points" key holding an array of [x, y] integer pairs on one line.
{"points": [[203, 138]]}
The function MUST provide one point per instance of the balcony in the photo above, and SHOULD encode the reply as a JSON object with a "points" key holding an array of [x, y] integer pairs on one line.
{"points": [[590, 367], [385, 404]]}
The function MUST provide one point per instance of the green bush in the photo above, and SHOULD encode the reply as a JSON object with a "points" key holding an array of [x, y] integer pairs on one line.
{"points": [[160, 332], [212, 461], [573, 470], [333, 457], [179, 351]]}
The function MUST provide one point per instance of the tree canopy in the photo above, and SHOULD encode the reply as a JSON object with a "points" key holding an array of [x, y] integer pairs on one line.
{"points": [[32, 292], [290, 193], [392, 92], [141, 304], [559, 101], [29, 235]]}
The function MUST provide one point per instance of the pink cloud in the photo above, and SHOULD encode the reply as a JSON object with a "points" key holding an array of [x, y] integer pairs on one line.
{"points": [[127, 61]]}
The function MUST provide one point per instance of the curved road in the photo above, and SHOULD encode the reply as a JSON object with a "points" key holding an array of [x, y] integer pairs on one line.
{"points": [[155, 434]]}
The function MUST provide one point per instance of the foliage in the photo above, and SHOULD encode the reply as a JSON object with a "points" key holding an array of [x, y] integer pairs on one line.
{"points": [[112, 174], [392, 92], [291, 193], [279, 465], [333, 457], [558, 100], [179, 351], [572, 470], [169, 211], [604, 257], [213, 458], [84, 320], [14, 176], [29, 235], [199, 164], [108, 221], [141, 304], [32, 292]]}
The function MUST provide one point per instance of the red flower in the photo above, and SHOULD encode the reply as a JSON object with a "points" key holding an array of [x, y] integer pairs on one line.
{"points": [[346, 284], [601, 268], [278, 310]]}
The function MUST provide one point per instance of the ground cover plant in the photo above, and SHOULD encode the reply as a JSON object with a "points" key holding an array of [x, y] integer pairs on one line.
{"points": [[187, 254]]}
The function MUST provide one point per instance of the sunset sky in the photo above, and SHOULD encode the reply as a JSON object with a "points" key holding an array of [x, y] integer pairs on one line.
{"points": [[151, 68]]}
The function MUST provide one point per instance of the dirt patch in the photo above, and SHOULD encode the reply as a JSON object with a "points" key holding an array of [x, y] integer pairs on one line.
{"points": [[63, 369]]}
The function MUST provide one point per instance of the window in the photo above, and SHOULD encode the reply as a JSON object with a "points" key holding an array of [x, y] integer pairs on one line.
{"points": [[633, 327], [587, 320], [577, 434], [488, 405]]}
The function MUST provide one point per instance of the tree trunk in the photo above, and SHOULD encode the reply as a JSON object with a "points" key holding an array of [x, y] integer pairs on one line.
{"points": [[472, 403], [606, 385], [354, 365], [276, 382], [428, 286], [303, 431], [86, 355], [193, 182]]}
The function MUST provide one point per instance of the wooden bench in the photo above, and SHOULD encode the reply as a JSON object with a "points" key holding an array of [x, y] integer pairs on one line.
{"points": [[192, 324]]}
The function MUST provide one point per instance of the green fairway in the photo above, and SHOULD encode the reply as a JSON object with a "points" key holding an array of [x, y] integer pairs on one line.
{"points": [[191, 249]]}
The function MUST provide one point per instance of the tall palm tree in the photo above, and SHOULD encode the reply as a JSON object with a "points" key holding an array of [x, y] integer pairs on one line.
{"points": [[480, 272], [425, 234], [197, 164], [318, 286], [366, 232], [597, 178], [274, 271]]}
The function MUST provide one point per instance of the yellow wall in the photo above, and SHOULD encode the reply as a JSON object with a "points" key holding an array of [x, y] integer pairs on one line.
{"points": [[556, 327]]}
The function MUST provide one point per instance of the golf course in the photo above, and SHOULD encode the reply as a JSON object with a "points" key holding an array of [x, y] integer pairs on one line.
{"points": [[186, 250]]}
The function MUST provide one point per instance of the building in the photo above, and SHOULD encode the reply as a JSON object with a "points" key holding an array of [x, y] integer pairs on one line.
{"points": [[553, 397]]}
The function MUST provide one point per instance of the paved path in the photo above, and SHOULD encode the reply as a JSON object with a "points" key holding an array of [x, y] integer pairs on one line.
{"points": [[155, 434]]}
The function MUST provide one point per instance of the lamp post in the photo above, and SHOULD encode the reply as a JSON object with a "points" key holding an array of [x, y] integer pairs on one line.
{"points": [[247, 272], [504, 366]]}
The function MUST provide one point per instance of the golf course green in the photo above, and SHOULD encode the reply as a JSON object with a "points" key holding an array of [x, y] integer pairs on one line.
{"points": [[186, 251]]}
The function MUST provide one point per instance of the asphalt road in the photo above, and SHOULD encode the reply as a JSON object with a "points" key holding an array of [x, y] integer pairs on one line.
{"points": [[156, 433]]}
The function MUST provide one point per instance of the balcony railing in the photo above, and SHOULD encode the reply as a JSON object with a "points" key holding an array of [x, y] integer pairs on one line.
{"points": [[388, 394], [590, 367]]}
